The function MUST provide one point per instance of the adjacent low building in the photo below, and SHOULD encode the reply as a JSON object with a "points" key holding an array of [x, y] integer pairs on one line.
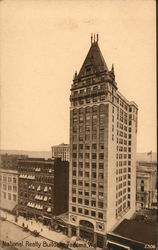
{"points": [[133, 234], [10, 161], [43, 188], [146, 184], [62, 151], [8, 189]]}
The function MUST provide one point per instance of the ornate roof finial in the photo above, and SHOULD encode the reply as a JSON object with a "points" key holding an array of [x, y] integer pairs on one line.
{"points": [[97, 37], [91, 38], [112, 68], [94, 37], [75, 75]]}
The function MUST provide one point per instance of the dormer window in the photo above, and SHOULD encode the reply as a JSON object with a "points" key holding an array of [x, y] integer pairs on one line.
{"points": [[88, 70]]}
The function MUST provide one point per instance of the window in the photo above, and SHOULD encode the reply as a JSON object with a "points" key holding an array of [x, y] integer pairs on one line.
{"points": [[9, 179], [80, 192], [14, 180], [94, 146], [86, 184], [80, 210], [93, 213], [74, 173], [86, 212], [4, 187], [87, 174], [9, 196], [101, 176], [93, 203], [102, 97], [80, 173], [79, 200], [86, 202], [93, 175], [100, 215], [9, 187], [94, 156], [73, 199], [101, 146], [74, 191], [4, 195], [100, 204], [14, 197], [94, 185], [80, 183], [87, 155], [4, 178], [87, 164], [101, 156], [88, 100], [74, 182], [80, 164], [93, 165], [73, 209]]}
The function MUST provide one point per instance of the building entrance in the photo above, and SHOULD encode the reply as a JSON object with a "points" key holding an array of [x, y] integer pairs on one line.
{"points": [[87, 230]]}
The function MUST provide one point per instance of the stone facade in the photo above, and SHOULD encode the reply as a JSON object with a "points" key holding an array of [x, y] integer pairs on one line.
{"points": [[103, 128], [62, 151], [146, 195], [8, 189]]}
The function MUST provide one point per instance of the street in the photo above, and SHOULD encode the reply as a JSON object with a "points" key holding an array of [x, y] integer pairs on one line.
{"points": [[12, 235]]}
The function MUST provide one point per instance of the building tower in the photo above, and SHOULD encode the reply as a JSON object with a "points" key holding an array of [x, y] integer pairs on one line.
{"points": [[103, 128]]}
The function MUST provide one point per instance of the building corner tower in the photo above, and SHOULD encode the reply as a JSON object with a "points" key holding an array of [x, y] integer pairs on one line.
{"points": [[103, 128]]}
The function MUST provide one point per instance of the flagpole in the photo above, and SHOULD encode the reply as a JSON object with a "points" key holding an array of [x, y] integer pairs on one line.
{"points": [[151, 180]]}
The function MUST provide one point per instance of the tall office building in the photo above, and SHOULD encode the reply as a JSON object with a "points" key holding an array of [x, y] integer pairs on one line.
{"points": [[103, 129]]}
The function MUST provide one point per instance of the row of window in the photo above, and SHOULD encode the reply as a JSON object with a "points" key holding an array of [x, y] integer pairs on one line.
{"points": [[94, 176], [87, 156], [9, 196], [87, 212], [86, 202], [87, 100], [88, 146], [87, 165], [10, 188], [9, 179]]}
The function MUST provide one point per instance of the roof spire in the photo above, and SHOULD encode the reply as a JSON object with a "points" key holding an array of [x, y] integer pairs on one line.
{"points": [[91, 38], [94, 37]]}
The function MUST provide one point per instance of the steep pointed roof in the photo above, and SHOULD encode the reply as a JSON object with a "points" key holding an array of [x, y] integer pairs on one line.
{"points": [[94, 60]]}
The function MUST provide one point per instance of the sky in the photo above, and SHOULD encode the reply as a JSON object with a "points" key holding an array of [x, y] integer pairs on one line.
{"points": [[42, 44]]}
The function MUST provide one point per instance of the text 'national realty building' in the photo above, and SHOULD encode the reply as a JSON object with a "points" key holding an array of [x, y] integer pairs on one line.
{"points": [[103, 132]]}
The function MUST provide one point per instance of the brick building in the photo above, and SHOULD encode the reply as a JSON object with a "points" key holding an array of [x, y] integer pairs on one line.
{"points": [[103, 132], [43, 188]]}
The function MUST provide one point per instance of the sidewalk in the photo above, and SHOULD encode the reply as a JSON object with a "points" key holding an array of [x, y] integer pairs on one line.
{"points": [[33, 225]]}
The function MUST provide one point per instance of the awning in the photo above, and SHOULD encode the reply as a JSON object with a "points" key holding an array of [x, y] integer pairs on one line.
{"points": [[39, 188], [45, 198], [45, 189], [117, 244], [49, 209]]}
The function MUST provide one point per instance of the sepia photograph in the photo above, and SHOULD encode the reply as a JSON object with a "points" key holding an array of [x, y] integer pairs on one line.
{"points": [[78, 125]]}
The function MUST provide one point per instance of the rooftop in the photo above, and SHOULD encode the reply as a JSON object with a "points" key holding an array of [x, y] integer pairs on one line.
{"points": [[142, 231]]}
